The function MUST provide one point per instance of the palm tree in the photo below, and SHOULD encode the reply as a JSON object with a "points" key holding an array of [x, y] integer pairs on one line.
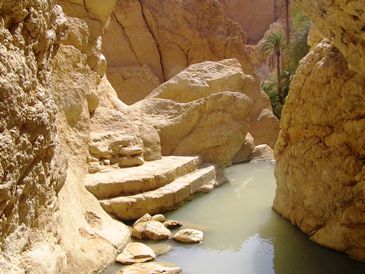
{"points": [[287, 23], [273, 46]]}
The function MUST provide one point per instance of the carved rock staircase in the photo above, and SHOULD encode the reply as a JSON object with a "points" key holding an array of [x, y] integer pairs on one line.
{"points": [[154, 187]]}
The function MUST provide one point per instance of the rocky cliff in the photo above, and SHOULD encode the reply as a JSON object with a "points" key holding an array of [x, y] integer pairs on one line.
{"points": [[148, 42], [254, 17], [32, 166], [321, 148], [61, 120]]}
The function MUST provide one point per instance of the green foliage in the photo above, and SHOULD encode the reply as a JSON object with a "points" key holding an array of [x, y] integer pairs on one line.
{"points": [[273, 44], [298, 48], [277, 87]]}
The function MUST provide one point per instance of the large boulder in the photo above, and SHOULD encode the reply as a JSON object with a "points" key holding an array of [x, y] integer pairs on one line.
{"points": [[203, 79], [320, 153], [202, 127]]}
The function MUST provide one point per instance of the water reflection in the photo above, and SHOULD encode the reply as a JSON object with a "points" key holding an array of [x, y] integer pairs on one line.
{"points": [[243, 235], [246, 236]]}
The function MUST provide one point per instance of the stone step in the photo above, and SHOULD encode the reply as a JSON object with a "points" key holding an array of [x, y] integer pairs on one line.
{"points": [[162, 199], [133, 180]]}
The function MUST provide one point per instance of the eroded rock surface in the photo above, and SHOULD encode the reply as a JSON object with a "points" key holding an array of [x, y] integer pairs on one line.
{"points": [[32, 169], [207, 78], [148, 42], [253, 16], [320, 152], [343, 21]]}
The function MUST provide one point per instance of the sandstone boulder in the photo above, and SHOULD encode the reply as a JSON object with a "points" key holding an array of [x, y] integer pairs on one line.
{"points": [[151, 230], [136, 253], [203, 127], [262, 153], [207, 78], [145, 218], [159, 218], [189, 236]]}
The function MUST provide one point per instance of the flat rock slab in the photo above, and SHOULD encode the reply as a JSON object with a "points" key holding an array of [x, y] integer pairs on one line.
{"points": [[136, 253], [151, 268], [162, 199], [151, 230], [189, 236], [132, 180]]}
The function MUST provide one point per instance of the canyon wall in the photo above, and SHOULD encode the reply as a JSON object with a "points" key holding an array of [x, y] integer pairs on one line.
{"points": [[255, 17], [51, 68], [321, 147], [61, 119], [149, 42], [32, 166]]}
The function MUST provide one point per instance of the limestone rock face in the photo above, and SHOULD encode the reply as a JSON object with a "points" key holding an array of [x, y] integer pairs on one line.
{"points": [[204, 79], [320, 153], [32, 168], [344, 22], [148, 42], [78, 92]]}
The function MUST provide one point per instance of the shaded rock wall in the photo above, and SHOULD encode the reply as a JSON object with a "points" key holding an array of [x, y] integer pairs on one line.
{"points": [[55, 99], [148, 42], [320, 151], [32, 169], [254, 17], [51, 68], [342, 21]]}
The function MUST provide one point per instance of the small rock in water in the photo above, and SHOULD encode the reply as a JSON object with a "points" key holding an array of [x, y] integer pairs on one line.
{"points": [[161, 248], [151, 230], [206, 188], [171, 224], [189, 236], [151, 268], [145, 218], [159, 218], [136, 253]]}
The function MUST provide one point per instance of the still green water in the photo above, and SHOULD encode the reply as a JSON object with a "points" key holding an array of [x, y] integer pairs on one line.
{"points": [[244, 236]]}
